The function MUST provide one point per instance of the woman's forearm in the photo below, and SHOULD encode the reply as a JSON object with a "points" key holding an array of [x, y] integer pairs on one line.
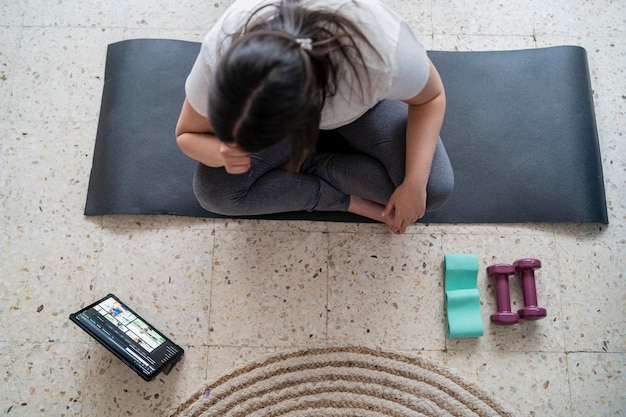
{"points": [[194, 136], [203, 147], [425, 118], [423, 129]]}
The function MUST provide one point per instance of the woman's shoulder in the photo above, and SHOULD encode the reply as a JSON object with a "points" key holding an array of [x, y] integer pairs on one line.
{"points": [[379, 23], [232, 22], [359, 10]]}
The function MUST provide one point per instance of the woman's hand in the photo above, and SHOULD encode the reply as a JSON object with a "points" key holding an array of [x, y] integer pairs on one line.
{"points": [[236, 160], [407, 204]]}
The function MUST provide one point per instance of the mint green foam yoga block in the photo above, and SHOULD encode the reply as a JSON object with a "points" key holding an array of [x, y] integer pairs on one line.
{"points": [[462, 296]]}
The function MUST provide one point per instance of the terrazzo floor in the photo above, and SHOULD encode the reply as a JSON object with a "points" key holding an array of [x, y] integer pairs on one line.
{"points": [[232, 291]]}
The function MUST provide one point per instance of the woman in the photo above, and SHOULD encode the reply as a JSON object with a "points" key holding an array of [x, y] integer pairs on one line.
{"points": [[271, 75]]}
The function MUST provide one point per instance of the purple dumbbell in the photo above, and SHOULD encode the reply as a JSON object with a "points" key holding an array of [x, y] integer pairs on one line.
{"points": [[526, 267], [504, 316]]}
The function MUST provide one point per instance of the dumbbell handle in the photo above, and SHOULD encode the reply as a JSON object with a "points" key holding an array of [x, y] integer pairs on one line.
{"points": [[529, 288], [503, 298]]}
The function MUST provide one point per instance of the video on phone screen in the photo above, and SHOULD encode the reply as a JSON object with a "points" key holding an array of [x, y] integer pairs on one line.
{"points": [[129, 324]]}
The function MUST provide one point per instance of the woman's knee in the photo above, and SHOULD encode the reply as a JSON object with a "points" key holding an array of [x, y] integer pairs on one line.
{"points": [[440, 192], [441, 180], [213, 194]]}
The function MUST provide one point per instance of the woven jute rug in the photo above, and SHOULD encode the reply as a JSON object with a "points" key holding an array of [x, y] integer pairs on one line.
{"points": [[349, 381]]}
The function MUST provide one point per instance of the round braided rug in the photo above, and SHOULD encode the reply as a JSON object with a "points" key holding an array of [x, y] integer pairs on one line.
{"points": [[350, 381]]}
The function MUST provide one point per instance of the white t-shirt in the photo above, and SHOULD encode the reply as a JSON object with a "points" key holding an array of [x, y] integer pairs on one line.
{"points": [[401, 74]]}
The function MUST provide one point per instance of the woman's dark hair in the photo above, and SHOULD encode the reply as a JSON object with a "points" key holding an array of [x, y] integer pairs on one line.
{"points": [[270, 85]]}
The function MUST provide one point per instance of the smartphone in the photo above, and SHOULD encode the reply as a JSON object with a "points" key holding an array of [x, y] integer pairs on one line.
{"points": [[128, 336]]}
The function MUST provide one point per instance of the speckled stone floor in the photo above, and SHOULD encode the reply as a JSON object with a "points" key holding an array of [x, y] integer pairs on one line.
{"points": [[232, 291]]}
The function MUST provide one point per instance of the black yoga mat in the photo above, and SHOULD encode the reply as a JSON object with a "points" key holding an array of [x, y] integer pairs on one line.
{"points": [[520, 131]]}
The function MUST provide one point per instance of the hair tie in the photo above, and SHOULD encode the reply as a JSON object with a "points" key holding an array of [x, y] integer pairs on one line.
{"points": [[305, 43]]}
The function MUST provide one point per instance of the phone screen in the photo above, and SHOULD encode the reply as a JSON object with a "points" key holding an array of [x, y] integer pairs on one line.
{"points": [[128, 336]]}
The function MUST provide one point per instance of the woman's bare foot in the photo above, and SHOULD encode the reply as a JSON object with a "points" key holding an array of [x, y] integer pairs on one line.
{"points": [[371, 210]]}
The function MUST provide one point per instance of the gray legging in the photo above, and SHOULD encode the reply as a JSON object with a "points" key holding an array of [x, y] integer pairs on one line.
{"points": [[326, 180]]}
